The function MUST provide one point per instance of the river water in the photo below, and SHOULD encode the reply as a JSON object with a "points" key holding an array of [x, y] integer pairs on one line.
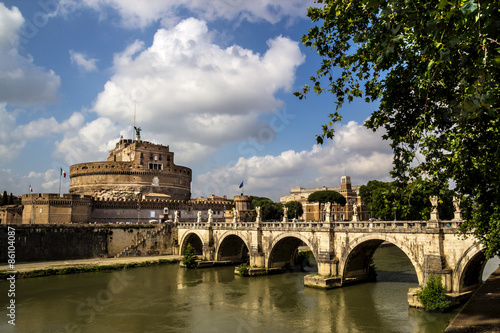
{"points": [[172, 299]]}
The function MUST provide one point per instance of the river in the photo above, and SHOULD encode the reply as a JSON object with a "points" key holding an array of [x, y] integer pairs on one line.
{"points": [[172, 299]]}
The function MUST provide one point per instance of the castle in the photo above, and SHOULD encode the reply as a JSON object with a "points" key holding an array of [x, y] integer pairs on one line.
{"points": [[139, 183], [134, 169]]}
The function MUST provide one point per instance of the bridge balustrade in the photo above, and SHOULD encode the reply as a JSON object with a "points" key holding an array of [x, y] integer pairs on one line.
{"points": [[398, 225]]}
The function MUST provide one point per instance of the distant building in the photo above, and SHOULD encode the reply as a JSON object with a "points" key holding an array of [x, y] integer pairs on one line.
{"points": [[312, 210], [11, 214], [134, 169]]}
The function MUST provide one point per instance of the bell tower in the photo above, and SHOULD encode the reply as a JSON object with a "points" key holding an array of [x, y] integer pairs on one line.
{"points": [[345, 183]]}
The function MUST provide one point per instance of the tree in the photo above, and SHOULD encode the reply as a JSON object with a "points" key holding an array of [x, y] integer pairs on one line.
{"points": [[434, 69], [190, 257], [5, 198], [11, 199], [385, 200], [433, 295], [295, 209], [270, 210], [323, 197], [379, 199]]}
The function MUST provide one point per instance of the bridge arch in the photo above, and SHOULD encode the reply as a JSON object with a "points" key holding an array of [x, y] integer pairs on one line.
{"points": [[193, 238], [355, 260], [232, 246], [284, 249], [468, 271]]}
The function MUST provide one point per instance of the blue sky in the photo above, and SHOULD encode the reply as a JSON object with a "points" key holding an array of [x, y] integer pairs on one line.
{"points": [[211, 79]]}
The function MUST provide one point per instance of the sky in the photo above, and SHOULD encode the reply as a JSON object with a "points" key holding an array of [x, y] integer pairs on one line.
{"points": [[214, 80]]}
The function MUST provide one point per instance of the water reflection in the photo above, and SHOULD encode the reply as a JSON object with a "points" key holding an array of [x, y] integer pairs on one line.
{"points": [[172, 299]]}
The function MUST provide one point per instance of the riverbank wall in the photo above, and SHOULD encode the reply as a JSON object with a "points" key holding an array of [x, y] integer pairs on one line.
{"points": [[35, 243], [482, 312]]}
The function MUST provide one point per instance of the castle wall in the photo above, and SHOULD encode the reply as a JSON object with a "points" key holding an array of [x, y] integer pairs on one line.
{"points": [[133, 168], [50, 208], [11, 214], [127, 180], [126, 211], [64, 242], [55, 242]]}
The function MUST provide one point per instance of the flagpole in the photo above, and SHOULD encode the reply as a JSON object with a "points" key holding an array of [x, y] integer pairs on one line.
{"points": [[60, 174]]}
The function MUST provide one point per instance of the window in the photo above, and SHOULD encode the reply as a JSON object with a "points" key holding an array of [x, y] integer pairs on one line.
{"points": [[155, 166]]}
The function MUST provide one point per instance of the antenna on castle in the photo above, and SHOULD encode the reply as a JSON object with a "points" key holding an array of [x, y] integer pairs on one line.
{"points": [[133, 128]]}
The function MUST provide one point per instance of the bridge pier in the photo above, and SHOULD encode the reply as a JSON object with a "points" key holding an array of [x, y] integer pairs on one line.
{"points": [[257, 256], [328, 264], [208, 253]]}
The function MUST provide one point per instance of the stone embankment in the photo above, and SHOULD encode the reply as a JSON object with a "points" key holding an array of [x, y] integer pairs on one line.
{"points": [[85, 265], [482, 312]]}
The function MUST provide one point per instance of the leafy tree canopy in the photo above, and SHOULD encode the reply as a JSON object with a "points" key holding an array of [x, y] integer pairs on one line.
{"points": [[270, 210], [190, 257], [327, 196], [434, 69], [385, 200], [295, 209]]}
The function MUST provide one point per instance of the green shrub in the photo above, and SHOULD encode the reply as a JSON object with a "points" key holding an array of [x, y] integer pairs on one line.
{"points": [[189, 259], [243, 269], [432, 296]]}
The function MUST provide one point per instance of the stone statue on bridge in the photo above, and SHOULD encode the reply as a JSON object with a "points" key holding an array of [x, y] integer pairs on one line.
{"points": [[285, 214], [176, 216], [355, 216], [434, 213], [458, 211], [198, 217], [328, 212], [210, 215], [235, 215], [257, 209]]}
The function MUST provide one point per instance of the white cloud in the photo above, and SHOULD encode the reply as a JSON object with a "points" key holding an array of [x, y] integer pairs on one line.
{"points": [[10, 23], [189, 92], [22, 83], [10, 143], [82, 61], [41, 182], [90, 143], [354, 151], [13, 137], [133, 15]]}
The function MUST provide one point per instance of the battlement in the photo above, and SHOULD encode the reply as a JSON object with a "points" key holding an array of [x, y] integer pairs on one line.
{"points": [[91, 168]]}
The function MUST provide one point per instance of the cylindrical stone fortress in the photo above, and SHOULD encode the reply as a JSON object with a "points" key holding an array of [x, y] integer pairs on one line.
{"points": [[134, 168]]}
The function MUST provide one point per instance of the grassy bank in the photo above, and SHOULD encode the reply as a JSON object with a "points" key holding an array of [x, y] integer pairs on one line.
{"points": [[85, 268]]}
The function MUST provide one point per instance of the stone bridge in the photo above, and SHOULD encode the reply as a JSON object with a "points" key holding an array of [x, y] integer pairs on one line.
{"points": [[343, 250]]}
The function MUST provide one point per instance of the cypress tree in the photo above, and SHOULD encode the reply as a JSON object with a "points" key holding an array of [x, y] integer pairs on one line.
{"points": [[4, 198]]}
